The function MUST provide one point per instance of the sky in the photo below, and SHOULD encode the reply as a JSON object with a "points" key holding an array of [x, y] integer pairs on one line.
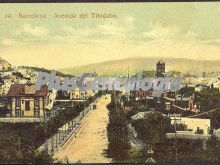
{"points": [[179, 30]]}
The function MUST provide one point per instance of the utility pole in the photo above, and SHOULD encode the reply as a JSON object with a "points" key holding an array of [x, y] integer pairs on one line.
{"points": [[59, 137], [56, 140], [128, 72], [145, 99], [45, 130], [52, 138], [52, 144], [19, 145], [176, 155]]}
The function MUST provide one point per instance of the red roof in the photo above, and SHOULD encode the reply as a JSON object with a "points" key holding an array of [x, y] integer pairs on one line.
{"points": [[19, 90]]}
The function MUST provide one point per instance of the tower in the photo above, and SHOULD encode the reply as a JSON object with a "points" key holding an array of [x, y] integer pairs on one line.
{"points": [[160, 70]]}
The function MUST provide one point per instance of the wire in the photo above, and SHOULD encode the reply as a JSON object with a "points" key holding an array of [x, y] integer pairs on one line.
{"points": [[205, 112]]}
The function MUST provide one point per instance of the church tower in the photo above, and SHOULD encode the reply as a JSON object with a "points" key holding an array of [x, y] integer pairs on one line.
{"points": [[160, 70]]}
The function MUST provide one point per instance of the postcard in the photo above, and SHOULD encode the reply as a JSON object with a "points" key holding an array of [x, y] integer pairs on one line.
{"points": [[110, 82]]}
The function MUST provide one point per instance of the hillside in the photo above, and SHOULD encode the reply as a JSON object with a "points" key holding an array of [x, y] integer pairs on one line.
{"points": [[37, 69], [120, 67]]}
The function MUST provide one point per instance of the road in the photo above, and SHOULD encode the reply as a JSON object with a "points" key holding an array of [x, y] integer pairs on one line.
{"points": [[91, 138]]}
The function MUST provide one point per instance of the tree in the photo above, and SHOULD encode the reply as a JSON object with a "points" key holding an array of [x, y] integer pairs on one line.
{"points": [[117, 131], [153, 128]]}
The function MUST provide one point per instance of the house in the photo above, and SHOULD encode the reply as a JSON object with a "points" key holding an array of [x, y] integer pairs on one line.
{"points": [[194, 124], [195, 129], [20, 80], [198, 88], [77, 94], [25, 101], [90, 93], [4, 65], [5, 84], [141, 94], [81, 94], [143, 115], [139, 115], [185, 102], [51, 98], [170, 101], [179, 103]]}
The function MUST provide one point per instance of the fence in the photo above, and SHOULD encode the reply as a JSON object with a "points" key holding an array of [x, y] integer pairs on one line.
{"points": [[58, 140]]}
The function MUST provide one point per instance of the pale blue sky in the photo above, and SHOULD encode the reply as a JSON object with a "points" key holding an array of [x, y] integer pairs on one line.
{"points": [[181, 30]]}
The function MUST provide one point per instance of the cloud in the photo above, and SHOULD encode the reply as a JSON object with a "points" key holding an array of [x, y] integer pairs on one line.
{"points": [[97, 33], [36, 31], [8, 42], [79, 32], [111, 29], [116, 28], [157, 31]]}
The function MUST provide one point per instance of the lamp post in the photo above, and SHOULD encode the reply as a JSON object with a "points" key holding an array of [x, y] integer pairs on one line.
{"points": [[146, 101]]}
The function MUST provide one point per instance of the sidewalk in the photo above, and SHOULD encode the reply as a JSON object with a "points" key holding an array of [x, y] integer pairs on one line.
{"points": [[58, 140], [91, 141]]}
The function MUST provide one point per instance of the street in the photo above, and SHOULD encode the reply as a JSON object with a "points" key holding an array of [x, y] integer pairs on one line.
{"points": [[90, 141]]}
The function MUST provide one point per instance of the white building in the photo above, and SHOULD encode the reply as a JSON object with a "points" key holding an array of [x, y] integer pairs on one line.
{"points": [[81, 94], [51, 98], [194, 124]]}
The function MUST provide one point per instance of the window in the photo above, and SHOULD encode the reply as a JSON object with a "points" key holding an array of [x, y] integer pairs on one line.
{"points": [[27, 105], [36, 103], [18, 102], [167, 105]]}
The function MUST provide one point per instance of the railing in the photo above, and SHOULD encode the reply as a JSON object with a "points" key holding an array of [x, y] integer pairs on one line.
{"points": [[21, 120], [65, 132]]}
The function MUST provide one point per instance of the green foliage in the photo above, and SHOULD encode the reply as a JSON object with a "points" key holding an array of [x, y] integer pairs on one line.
{"points": [[117, 131], [208, 99], [152, 129], [187, 91], [150, 73], [19, 141], [4, 111], [213, 153]]}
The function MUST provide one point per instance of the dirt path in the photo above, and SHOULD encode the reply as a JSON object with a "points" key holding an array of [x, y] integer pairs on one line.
{"points": [[91, 139]]}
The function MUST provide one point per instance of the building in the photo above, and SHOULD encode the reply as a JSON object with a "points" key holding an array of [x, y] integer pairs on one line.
{"points": [[160, 69], [5, 84], [142, 94], [195, 129], [26, 101], [194, 124], [171, 102], [78, 94], [90, 93], [4, 65]]}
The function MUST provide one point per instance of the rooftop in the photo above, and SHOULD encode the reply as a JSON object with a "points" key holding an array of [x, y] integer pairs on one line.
{"points": [[27, 90]]}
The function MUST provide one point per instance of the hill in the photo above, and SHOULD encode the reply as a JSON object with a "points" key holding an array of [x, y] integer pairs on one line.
{"points": [[120, 67], [37, 69]]}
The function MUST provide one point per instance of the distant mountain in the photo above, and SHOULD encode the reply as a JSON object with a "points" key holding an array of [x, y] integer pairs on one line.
{"points": [[37, 69], [120, 67]]}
